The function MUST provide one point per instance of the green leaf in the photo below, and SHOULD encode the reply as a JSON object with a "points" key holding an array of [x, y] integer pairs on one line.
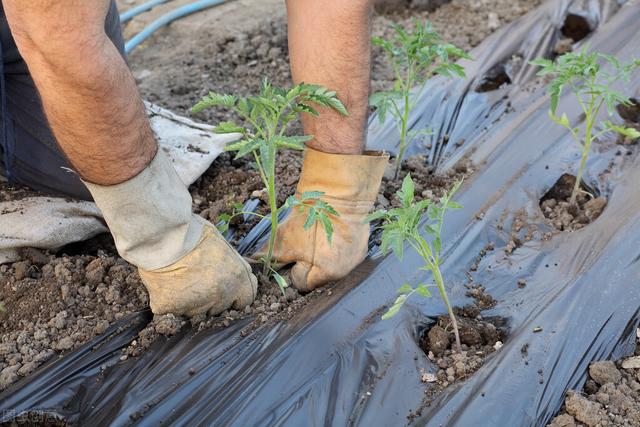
{"points": [[406, 193], [395, 307], [282, 284], [244, 147], [311, 195], [437, 245], [404, 289], [375, 216], [562, 120], [629, 132], [214, 99], [228, 127], [423, 291], [311, 219], [328, 228], [454, 205], [293, 142]]}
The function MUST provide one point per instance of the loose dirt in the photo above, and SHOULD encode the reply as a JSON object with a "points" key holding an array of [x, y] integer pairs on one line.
{"points": [[54, 303], [479, 336], [611, 396], [565, 216]]}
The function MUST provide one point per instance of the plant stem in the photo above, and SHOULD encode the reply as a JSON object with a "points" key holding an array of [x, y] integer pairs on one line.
{"points": [[403, 135], [443, 293], [273, 207], [585, 153]]}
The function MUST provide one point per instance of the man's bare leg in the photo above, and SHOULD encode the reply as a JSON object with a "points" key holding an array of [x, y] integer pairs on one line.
{"points": [[89, 95], [329, 44]]}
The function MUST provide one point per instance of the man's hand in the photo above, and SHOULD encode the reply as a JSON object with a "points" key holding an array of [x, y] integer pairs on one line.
{"points": [[209, 279], [351, 185], [329, 44], [186, 265]]}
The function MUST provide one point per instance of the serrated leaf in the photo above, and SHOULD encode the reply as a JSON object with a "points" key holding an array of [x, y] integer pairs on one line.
{"points": [[310, 195], [626, 131], [375, 216], [293, 142], [228, 127]]}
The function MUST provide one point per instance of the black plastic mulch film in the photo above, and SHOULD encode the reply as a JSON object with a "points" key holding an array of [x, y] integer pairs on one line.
{"points": [[335, 362]]}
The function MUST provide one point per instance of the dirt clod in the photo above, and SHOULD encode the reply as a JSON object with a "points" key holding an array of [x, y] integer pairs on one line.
{"points": [[604, 372], [610, 398], [566, 216]]}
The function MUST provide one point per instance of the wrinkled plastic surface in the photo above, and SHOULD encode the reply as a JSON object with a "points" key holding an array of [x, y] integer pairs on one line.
{"points": [[336, 363]]}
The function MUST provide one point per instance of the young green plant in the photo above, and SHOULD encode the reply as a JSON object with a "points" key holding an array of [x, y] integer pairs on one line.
{"points": [[415, 56], [402, 225], [586, 76], [265, 119]]}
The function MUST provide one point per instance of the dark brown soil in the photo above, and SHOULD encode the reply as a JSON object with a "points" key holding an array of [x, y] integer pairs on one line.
{"points": [[564, 216], [479, 336], [55, 304], [611, 396]]}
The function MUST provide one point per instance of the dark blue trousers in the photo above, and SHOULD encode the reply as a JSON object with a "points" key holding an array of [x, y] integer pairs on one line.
{"points": [[29, 154]]}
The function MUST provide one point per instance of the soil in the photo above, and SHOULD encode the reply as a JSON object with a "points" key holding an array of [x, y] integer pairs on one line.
{"points": [[54, 303], [565, 216], [479, 336], [610, 397]]}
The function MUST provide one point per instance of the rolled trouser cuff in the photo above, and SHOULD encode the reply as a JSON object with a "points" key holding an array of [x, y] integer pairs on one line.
{"points": [[150, 215]]}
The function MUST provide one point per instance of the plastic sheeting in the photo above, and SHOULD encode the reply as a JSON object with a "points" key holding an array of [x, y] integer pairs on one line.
{"points": [[337, 363]]}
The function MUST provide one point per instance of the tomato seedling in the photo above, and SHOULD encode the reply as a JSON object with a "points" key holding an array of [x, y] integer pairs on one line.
{"points": [[402, 226], [586, 76], [415, 56], [265, 118]]}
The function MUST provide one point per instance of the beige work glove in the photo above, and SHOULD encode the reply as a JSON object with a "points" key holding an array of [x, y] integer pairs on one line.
{"points": [[351, 184], [186, 265]]}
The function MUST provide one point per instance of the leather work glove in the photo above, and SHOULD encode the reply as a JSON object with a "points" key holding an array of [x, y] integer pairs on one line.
{"points": [[186, 265], [351, 184]]}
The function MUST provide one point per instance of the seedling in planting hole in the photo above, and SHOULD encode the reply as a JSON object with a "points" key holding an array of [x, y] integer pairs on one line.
{"points": [[585, 75], [402, 225], [265, 118], [415, 56]]}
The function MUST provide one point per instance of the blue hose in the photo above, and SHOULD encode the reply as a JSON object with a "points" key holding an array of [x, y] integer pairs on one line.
{"points": [[135, 11], [168, 18]]}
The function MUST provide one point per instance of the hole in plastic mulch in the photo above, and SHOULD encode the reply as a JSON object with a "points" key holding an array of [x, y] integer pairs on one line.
{"points": [[576, 27], [631, 112], [495, 78], [563, 215]]}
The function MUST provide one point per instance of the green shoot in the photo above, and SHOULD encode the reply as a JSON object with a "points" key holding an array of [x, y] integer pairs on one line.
{"points": [[402, 225], [265, 119], [415, 56], [585, 76]]}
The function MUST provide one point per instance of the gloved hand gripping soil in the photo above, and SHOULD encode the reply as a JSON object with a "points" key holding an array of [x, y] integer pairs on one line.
{"points": [[186, 265], [335, 191]]}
